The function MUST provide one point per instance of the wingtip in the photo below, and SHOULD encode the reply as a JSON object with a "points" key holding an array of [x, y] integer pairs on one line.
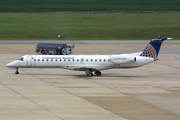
{"points": [[169, 38]]}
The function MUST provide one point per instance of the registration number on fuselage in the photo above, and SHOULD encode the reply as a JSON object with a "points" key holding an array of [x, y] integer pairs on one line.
{"points": [[115, 65]]}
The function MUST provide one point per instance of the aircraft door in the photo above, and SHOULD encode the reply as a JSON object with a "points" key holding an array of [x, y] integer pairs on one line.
{"points": [[82, 61], [29, 60]]}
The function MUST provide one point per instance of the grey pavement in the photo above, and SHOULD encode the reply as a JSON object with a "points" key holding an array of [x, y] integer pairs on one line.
{"points": [[151, 92]]}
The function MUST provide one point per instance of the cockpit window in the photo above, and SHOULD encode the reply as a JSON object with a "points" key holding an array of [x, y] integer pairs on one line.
{"points": [[21, 59]]}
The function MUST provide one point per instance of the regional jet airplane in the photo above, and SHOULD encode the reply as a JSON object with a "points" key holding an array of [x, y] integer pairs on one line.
{"points": [[91, 63]]}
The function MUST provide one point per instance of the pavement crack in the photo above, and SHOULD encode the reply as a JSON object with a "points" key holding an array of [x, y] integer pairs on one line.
{"points": [[29, 100]]}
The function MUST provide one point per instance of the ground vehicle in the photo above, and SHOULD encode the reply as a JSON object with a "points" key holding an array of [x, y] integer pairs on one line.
{"points": [[55, 49]]}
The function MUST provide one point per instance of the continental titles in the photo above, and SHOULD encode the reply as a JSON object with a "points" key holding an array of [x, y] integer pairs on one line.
{"points": [[57, 57]]}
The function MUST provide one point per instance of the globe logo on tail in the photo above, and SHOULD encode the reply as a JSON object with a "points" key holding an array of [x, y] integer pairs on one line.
{"points": [[149, 51]]}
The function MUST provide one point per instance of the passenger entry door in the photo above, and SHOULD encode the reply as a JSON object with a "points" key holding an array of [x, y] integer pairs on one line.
{"points": [[82, 61], [29, 60]]}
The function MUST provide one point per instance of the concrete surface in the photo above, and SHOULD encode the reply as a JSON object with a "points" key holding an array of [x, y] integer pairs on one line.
{"points": [[151, 92]]}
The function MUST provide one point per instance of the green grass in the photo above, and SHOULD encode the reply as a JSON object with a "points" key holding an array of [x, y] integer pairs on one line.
{"points": [[88, 5], [45, 26]]}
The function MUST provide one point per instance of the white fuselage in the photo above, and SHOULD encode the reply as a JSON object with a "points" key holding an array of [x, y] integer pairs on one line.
{"points": [[80, 62]]}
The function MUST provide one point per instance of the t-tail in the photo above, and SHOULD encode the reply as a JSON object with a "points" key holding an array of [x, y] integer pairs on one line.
{"points": [[152, 49]]}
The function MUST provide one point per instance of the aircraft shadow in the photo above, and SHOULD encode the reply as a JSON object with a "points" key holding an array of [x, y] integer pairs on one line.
{"points": [[110, 75]]}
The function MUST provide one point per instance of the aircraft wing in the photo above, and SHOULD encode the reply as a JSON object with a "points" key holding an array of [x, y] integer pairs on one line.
{"points": [[84, 68]]}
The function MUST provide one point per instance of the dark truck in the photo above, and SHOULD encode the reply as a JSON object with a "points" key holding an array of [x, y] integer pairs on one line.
{"points": [[54, 49]]}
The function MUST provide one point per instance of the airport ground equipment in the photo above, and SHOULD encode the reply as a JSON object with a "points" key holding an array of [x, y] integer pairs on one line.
{"points": [[54, 49]]}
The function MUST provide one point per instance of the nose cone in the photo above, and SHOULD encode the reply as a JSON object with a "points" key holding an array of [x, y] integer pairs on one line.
{"points": [[11, 64]]}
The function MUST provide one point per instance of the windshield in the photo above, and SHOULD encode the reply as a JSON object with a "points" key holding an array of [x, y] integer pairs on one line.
{"points": [[21, 59]]}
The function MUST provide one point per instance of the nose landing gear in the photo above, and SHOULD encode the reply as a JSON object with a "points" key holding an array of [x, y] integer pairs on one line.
{"points": [[17, 72]]}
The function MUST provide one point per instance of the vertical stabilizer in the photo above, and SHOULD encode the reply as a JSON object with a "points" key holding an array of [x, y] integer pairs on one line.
{"points": [[152, 49]]}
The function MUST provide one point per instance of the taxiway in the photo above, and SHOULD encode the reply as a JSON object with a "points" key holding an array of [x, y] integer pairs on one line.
{"points": [[144, 93]]}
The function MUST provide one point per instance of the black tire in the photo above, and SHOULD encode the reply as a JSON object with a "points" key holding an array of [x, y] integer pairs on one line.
{"points": [[43, 51], [90, 75], [98, 73]]}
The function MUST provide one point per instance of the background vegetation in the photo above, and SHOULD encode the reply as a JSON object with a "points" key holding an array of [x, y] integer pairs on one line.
{"points": [[88, 5], [88, 26], [89, 20]]}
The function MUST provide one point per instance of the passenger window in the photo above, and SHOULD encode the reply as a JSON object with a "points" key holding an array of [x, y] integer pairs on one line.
{"points": [[60, 60], [47, 60], [96, 60], [73, 59], [69, 60], [108, 59], [104, 60], [64, 59], [91, 59], [77, 59], [42, 59], [100, 60], [34, 59], [51, 59], [87, 60], [38, 59], [56, 59]]}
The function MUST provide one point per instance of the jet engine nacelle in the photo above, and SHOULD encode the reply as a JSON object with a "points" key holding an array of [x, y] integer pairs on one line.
{"points": [[120, 59]]}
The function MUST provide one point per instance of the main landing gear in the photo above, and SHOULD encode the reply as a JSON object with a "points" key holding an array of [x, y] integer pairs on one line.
{"points": [[17, 72], [90, 74], [98, 73]]}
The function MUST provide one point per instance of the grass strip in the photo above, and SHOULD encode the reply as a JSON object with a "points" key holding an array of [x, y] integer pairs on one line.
{"points": [[47, 26]]}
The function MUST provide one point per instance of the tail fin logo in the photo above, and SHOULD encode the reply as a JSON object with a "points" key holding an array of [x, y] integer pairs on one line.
{"points": [[152, 49], [149, 51]]}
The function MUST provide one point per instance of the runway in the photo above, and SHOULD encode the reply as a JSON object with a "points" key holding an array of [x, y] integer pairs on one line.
{"points": [[144, 93]]}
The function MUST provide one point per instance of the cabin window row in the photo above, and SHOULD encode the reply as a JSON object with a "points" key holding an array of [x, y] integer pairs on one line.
{"points": [[74, 60]]}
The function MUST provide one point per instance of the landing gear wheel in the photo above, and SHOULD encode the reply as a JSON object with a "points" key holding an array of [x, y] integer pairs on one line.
{"points": [[16, 72], [98, 73], [90, 74], [43, 52]]}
